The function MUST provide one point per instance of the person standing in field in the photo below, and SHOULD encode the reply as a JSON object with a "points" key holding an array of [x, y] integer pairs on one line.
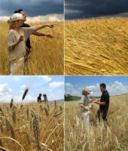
{"points": [[17, 38], [36, 33], [85, 106], [103, 103], [39, 98]]}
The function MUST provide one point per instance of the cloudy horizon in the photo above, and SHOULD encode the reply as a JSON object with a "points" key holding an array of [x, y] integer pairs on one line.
{"points": [[116, 85], [38, 19], [79, 9], [14, 87], [32, 7]]}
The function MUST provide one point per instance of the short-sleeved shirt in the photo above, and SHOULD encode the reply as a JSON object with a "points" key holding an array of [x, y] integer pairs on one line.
{"points": [[28, 42], [85, 100], [13, 36], [105, 98]]}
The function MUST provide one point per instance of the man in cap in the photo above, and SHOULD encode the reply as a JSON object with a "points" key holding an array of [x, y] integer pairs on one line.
{"points": [[103, 103]]}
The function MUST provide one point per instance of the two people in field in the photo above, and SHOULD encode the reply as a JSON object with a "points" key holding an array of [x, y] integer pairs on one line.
{"points": [[19, 45], [103, 104]]}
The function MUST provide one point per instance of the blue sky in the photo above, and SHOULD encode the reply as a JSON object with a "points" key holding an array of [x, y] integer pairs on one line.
{"points": [[95, 8], [32, 7], [116, 85], [14, 86]]}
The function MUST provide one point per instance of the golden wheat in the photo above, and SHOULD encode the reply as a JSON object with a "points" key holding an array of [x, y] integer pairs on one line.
{"points": [[99, 137], [31, 127], [96, 46], [47, 53]]}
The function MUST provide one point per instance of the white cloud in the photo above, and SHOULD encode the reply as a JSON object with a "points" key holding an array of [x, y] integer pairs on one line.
{"points": [[115, 88], [38, 19], [46, 78], [17, 78], [5, 92], [68, 85], [73, 90], [56, 84]]}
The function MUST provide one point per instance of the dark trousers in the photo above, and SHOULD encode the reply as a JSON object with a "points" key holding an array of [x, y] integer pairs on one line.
{"points": [[102, 114]]}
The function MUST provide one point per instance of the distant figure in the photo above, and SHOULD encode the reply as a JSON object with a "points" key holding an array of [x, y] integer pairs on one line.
{"points": [[39, 98], [45, 98], [103, 103]]}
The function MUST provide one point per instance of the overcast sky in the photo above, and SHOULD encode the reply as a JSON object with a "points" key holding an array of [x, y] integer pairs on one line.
{"points": [[32, 7], [116, 85], [14, 86], [94, 8]]}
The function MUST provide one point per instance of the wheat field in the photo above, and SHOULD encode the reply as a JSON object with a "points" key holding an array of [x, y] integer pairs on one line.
{"points": [[47, 54], [96, 46], [100, 137], [32, 127]]}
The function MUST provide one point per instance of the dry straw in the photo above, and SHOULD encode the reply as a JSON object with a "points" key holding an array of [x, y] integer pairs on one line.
{"points": [[36, 130], [10, 129]]}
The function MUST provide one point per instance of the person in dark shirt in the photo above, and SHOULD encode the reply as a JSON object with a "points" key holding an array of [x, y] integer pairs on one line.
{"points": [[103, 103], [39, 98], [28, 42]]}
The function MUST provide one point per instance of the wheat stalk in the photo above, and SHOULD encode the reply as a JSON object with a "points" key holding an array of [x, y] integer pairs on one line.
{"points": [[11, 103], [9, 138], [27, 113], [25, 93], [3, 149], [46, 111], [1, 111], [10, 129], [14, 115], [36, 131]]}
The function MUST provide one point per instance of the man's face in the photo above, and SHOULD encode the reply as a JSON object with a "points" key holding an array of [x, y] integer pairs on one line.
{"points": [[24, 15], [102, 89]]}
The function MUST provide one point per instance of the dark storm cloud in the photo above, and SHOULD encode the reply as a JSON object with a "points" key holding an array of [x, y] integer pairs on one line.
{"points": [[94, 8], [32, 7]]}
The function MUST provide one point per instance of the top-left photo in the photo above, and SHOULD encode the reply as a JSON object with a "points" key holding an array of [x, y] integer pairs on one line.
{"points": [[31, 37]]}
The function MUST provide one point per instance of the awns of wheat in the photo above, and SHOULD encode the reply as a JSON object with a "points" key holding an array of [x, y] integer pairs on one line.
{"points": [[11, 103], [36, 130], [10, 129], [1, 111], [25, 93], [14, 114]]}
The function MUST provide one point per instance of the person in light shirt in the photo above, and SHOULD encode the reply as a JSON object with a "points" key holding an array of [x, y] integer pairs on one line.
{"points": [[17, 37], [85, 106]]}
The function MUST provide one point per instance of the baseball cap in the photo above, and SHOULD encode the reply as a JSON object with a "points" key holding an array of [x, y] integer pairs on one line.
{"points": [[16, 17]]}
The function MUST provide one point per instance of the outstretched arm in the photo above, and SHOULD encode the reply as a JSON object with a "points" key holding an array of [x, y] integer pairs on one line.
{"points": [[36, 33], [43, 26], [99, 102]]}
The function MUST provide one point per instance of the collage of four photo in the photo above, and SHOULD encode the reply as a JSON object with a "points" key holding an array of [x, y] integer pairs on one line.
{"points": [[63, 75]]}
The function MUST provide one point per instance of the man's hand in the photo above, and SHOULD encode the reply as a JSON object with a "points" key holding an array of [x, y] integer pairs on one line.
{"points": [[95, 101], [99, 102]]}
